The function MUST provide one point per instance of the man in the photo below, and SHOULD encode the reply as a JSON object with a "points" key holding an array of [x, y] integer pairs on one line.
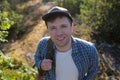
{"points": [[75, 59]]}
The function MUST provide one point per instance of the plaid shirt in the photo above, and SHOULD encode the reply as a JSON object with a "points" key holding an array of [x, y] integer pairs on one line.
{"points": [[84, 55]]}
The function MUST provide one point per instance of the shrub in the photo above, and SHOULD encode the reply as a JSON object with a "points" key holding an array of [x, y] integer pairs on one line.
{"points": [[9, 71], [10, 22]]}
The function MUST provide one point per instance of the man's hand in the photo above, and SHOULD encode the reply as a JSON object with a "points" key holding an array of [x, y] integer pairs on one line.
{"points": [[46, 64]]}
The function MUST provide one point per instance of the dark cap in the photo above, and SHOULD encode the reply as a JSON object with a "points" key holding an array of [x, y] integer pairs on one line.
{"points": [[55, 10]]}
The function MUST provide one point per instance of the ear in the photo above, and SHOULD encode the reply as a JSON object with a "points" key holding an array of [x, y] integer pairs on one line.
{"points": [[72, 27]]}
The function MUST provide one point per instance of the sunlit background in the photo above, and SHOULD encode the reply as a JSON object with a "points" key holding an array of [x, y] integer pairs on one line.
{"points": [[21, 28]]}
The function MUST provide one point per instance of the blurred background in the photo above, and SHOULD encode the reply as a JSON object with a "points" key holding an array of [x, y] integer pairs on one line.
{"points": [[21, 28]]}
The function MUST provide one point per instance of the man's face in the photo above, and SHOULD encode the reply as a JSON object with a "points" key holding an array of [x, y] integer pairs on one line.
{"points": [[60, 31]]}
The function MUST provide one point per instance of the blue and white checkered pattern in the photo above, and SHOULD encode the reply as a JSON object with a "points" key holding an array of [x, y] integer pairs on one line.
{"points": [[84, 55]]}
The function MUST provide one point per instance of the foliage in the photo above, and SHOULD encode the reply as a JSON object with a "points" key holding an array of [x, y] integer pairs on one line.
{"points": [[17, 28], [86, 11], [10, 21], [5, 24], [11, 69], [108, 24], [72, 5], [99, 15]]}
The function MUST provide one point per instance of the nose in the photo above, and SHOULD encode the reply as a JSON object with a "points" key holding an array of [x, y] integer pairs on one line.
{"points": [[59, 32]]}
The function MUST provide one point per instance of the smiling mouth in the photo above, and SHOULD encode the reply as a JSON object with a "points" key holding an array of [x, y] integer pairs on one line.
{"points": [[61, 39]]}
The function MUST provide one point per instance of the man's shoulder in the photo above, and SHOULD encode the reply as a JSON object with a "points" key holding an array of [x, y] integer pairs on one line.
{"points": [[82, 42], [44, 40], [85, 45]]}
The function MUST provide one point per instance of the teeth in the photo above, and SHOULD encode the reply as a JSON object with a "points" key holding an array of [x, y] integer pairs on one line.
{"points": [[60, 39]]}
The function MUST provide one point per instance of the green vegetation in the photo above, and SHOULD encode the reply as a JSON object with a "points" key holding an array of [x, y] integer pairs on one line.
{"points": [[10, 22], [72, 5], [12, 69], [5, 25], [11, 28]]}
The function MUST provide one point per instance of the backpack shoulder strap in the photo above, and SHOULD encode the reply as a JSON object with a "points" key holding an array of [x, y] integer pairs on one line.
{"points": [[50, 51]]}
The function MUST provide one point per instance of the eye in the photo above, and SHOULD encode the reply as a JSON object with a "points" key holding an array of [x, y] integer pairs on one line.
{"points": [[63, 26], [52, 28]]}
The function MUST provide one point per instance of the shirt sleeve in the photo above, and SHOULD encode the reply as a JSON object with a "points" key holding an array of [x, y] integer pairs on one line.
{"points": [[37, 56], [38, 59], [93, 68], [40, 52]]}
